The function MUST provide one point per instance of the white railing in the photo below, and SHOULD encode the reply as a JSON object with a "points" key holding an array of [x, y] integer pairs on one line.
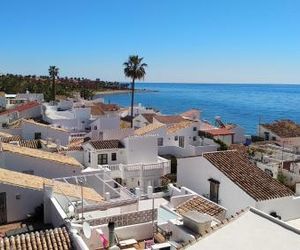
{"points": [[135, 169]]}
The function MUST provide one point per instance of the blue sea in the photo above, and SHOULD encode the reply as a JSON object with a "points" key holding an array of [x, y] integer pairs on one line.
{"points": [[243, 104]]}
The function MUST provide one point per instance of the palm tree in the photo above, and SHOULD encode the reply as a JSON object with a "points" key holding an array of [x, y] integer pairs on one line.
{"points": [[134, 69], [53, 72]]}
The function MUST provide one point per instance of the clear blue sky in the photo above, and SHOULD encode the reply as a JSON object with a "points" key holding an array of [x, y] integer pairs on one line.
{"points": [[181, 40]]}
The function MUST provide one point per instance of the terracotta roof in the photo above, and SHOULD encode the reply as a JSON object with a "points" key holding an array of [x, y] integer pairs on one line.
{"points": [[178, 126], [41, 154], [107, 107], [149, 128], [5, 135], [21, 107], [22, 180], [42, 125], [169, 119], [57, 238], [255, 182], [96, 110], [72, 148], [192, 113], [201, 205], [219, 131], [30, 143], [11, 139], [106, 144], [149, 117], [284, 128]]}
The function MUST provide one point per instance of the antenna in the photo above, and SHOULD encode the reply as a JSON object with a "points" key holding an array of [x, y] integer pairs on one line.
{"points": [[87, 231]]}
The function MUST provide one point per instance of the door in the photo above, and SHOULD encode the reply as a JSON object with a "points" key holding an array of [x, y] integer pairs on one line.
{"points": [[181, 141], [3, 212]]}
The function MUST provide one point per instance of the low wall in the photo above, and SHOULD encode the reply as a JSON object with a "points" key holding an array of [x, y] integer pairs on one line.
{"points": [[126, 219]]}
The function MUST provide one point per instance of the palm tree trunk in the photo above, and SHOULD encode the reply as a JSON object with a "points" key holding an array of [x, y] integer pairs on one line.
{"points": [[132, 102], [53, 88]]}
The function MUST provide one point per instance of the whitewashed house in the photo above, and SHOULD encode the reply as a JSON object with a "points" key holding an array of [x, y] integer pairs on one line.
{"points": [[21, 194], [229, 179], [178, 137], [223, 134], [133, 161], [107, 127], [30, 129], [72, 119], [142, 120], [284, 132], [37, 162], [27, 110]]}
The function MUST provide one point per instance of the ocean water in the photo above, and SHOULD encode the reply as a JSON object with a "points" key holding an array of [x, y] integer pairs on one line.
{"points": [[243, 104]]}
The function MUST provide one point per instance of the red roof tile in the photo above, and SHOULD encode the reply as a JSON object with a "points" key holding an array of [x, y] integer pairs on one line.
{"points": [[255, 182], [165, 119], [219, 131], [21, 107], [106, 144]]}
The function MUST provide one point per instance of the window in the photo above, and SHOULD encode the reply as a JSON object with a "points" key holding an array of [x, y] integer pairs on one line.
{"points": [[273, 138], [113, 156], [194, 128], [214, 190], [194, 138], [160, 141], [89, 157], [102, 159], [181, 141], [95, 127], [176, 138], [267, 136], [37, 135]]}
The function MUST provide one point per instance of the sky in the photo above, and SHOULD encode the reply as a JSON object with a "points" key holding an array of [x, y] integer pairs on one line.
{"points": [[211, 41]]}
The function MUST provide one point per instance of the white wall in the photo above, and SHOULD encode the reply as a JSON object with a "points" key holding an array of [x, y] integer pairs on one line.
{"points": [[18, 209], [286, 207], [106, 122], [141, 149], [59, 136], [194, 173], [41, 167]]}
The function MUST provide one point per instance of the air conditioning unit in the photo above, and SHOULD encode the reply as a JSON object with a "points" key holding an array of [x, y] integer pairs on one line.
{"points": [[161, 246]]}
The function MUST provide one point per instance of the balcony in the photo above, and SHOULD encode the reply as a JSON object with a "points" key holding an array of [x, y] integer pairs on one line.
{"points": [[139, 170]]}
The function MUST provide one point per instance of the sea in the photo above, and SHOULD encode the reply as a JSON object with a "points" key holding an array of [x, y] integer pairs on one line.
{"points": [[243, 104]]}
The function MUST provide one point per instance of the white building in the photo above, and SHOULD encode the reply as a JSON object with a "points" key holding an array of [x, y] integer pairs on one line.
{"points": [[134, 161], [180, 138], [37, 162], [29, 129], [142, 120], [26, 110], [248, 230], [229, 179], [285, 133], [21, 194]]}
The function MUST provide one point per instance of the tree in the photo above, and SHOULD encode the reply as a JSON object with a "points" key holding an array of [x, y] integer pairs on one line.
{"points": [[53, 72], [134, 69]]}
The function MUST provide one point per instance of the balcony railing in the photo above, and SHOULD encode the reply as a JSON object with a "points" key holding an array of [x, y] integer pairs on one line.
{"points": [[136, 168]]}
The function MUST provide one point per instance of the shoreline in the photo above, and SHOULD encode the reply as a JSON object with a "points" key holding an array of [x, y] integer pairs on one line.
{"points": [[122, 91]]}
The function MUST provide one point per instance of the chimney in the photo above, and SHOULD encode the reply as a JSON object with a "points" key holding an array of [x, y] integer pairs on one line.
{"points": [[197, 222], [111, 233]]}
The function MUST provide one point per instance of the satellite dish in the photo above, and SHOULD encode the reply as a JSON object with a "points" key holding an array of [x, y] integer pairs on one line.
{"points": [[86, 230]]}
